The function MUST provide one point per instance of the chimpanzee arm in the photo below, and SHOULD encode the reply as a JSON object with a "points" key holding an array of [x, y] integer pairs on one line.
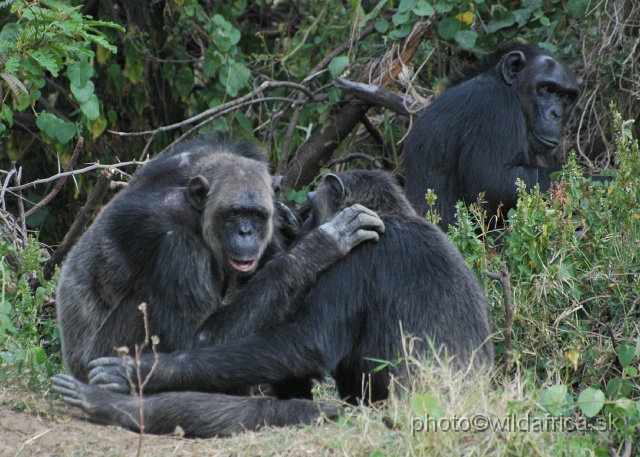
{"points": [[312, 344], [198, 414], [268, 298]]}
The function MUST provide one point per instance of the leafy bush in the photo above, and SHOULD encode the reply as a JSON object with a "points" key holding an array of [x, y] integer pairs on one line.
{"points": [[573, 255], [29, 337]]}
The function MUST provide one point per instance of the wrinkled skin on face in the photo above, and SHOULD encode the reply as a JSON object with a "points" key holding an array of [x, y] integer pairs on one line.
{"points": [[548, 92], [237, 212]]}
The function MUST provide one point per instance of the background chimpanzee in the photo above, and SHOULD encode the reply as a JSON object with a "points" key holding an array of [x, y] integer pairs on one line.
{"points": [[413, 279], [501, 121], [193, 228]]}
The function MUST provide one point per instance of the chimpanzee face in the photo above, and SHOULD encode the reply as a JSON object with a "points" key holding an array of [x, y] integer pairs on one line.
{"points": [[548, 91], [237, 206]]}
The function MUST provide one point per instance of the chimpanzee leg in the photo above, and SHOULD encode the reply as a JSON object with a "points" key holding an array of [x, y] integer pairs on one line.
{"points": [[198, 414]]}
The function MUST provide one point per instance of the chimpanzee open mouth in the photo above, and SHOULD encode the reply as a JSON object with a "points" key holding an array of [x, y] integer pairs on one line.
{"points": [[243, 265]]}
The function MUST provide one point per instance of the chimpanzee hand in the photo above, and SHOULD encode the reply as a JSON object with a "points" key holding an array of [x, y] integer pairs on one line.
{"points": [[79, 394], [115, 373], [352, 226]]}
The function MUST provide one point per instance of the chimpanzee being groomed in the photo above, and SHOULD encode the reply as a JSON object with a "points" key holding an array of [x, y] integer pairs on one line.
{"points": [[199, 236], [501, 121], [413, 282]]}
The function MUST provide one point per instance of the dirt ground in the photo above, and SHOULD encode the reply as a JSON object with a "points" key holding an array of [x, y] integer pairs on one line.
{"points": [[45, 426], [28, 434]]}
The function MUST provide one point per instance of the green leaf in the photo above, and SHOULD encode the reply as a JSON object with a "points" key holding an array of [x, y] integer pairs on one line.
{"points": [[79, 73], [578, 8], [7, 114], [297, 196], [65, 131], [184, 82], [11, 32], [133, 67], [466, 38], [47, 123], [224, 35], [338, 64], [626, 354], [400, 33], [400, 18], [82, 94], [448, 27], [591, 401], [47, 60], [39, 356], [427, 404], [234, 77], [522, 16], [423, 8], [98, 127], [625, 408], [554, 398], [501, 20], [382, 26], [443, 6], [406, 6], [91, 108]]}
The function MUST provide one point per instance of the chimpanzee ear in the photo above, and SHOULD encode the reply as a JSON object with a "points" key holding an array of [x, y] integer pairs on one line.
{"points": [[335, 186], [511, 66], [197, 190], [276, 183]]}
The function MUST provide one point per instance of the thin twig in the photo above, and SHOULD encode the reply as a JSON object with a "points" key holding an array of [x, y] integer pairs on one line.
{"points": [[5, 185], [226, 106], [96, 166], [505, 282], [77, 228], [626, 449], [45, 201], [23, 221], [226, 111]]}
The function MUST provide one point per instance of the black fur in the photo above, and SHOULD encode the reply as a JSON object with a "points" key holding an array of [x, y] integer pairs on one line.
{"points": [[198, 236], [485, 130], [412, 279]]}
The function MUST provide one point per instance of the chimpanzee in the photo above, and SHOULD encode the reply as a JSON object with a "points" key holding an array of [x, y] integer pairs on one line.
{"points": [[412, 282], [501, 121], [197, 235]]}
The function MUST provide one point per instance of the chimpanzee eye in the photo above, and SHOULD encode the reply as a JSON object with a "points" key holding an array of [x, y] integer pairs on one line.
{"points": [[547, 89]]}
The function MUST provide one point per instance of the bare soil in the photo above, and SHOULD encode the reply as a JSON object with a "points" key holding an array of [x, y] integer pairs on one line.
{"points": [[29, 434]]}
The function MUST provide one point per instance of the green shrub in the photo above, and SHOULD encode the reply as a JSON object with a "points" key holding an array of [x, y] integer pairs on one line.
{"points": [[29, 337]]}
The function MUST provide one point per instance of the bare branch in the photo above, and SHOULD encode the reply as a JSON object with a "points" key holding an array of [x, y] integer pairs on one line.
{"points": [[224, 107], [5, 185], [96, 166], [45, 201], [226, 111], [325, 139], [505, 282], [77, 228], [23, 220], [375, 95]]}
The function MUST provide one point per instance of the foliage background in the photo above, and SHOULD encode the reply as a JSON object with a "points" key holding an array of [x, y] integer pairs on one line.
{"points": [[70, 69]]}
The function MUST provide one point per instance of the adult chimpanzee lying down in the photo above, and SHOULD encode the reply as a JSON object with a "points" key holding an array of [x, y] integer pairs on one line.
{"points": [[412, 280], [197, 229], [499, 122]]}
